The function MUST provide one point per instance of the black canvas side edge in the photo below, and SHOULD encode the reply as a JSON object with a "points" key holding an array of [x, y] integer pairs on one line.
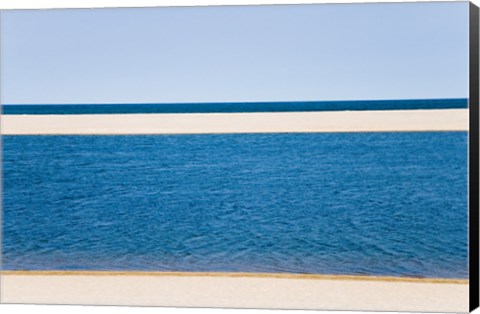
{"points": [[473, 159]]}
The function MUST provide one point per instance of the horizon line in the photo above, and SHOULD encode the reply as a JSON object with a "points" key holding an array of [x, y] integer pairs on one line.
{"points": [[232, 102]]}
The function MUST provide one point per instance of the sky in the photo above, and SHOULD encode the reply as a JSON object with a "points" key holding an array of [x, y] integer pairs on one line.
{"points": [[230, 54]]}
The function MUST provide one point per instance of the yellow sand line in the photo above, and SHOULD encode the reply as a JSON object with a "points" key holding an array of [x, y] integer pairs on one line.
{"points": [[230, 274]]}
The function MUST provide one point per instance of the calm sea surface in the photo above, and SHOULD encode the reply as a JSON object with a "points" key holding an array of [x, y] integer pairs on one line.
{"points": [[343, 203], [238, 107]]}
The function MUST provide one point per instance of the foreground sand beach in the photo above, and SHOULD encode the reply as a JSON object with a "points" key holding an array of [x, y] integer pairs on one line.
{"points": [[235, 290], [327, 121]]}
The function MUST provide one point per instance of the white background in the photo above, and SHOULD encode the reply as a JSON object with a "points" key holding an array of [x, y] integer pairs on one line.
{"points": [[57, 309], [19, 4]]}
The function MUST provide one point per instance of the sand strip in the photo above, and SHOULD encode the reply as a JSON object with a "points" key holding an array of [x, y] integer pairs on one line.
{"points": [[236, 290], [212, 123]]}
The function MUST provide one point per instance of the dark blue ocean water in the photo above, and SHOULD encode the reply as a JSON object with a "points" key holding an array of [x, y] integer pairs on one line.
{"points": [[238, 107], [340, 203]]}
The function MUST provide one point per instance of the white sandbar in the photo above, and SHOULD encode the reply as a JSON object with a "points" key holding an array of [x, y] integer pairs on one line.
{"points": [[236, 290], [288, 122]]}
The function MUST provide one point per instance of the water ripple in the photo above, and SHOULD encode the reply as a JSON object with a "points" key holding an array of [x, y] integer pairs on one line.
{"points": [[372, 203]]}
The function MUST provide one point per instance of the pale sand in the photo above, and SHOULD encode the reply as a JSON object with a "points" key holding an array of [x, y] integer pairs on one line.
{"points": [[236, 290], [283, 122]]}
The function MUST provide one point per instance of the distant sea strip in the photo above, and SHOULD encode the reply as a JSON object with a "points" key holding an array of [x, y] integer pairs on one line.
{"points": [[235, 107]]}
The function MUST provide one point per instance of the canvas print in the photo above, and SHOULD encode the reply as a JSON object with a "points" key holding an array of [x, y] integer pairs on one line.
{"points": [[281, 156]]}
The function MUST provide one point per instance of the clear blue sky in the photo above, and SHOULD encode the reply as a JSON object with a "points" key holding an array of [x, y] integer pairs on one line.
{"points": [[252, 53]]}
